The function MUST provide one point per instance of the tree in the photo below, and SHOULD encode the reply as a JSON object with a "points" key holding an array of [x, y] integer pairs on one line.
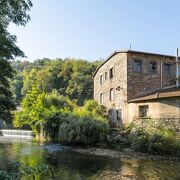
{"points": [[70, 77], [11, 11]]}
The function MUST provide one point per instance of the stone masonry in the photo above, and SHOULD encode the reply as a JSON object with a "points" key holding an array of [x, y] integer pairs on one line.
{"points": [[126, 83]]}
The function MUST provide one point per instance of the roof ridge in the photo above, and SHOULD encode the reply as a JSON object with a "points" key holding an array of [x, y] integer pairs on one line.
{"points": [[131, 51]]}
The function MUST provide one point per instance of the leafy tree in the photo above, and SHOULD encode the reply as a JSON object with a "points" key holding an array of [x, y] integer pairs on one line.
{"points": [[10, 12], [70, 77]]}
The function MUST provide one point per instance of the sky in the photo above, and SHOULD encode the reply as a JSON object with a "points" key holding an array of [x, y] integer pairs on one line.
{"points": [[94, 29]]}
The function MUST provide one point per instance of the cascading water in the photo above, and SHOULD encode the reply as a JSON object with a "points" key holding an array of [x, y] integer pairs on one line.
{"points": [[16, 133]]}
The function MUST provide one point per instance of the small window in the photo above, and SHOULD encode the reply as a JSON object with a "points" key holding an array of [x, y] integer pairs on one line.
{"points": [[111, 73], [111, 94], [179, 70], [106, 74], [101, 79], [153, 67], [137, 66], [119, 114], [101, 98], [143, 111], [167, 69]]}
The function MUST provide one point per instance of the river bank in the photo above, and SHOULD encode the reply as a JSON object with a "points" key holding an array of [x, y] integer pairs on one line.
{"points": [[124, 154]]}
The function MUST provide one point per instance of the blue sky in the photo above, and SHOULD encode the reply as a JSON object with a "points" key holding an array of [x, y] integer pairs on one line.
{"points": [[93, 29]]}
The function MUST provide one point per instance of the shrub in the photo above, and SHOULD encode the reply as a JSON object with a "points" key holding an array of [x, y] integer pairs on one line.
{"points": [[152, 138], [163, 141], [91, 108], [117, 139], [82, 131], [27, 172]]}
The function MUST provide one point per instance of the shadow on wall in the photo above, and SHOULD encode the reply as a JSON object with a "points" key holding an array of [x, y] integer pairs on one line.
{"points": [[115, 118], [175, 102]]}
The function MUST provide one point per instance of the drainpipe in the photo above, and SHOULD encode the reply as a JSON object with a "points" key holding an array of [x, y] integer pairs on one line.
{"points": [[177, 69], [162, 71]]}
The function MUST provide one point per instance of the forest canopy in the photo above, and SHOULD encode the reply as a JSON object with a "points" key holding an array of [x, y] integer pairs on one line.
{"points": [[69, 77]]}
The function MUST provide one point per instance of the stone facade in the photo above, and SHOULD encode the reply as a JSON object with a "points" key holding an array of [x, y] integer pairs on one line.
{"points": [[131, 76], [119, 64], [145, 81]]}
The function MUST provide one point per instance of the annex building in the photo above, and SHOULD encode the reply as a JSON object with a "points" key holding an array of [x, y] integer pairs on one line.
{"points": [[134, 84]]}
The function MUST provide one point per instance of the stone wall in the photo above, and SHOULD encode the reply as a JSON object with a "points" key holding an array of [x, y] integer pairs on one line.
{"points": [[119, 83], [145, 81], [146, 123], [126, 83]]}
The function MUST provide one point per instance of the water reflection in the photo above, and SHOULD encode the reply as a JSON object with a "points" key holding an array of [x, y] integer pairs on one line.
{"points": [[68, 165]]}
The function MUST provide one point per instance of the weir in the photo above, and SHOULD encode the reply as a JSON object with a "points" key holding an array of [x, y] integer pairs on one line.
{"points": [[16, 133]]}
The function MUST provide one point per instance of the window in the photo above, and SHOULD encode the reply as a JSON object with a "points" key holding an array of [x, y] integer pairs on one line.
{"points": [[111, 73], [143, 111], [167, 69], [101, 98], [179, 70], [106, 74], [111, 94], [119, 114], [153, 67], [101, 79], [137, 66]]}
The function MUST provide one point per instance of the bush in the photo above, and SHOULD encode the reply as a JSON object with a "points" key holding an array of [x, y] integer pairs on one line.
{"points": [[163, 141], [117, 139], [82, 131], [91, 108], [21, 171], [159, 139]]}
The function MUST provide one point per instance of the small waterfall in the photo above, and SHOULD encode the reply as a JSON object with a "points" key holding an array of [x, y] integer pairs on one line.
{"points": [[16, 133]]}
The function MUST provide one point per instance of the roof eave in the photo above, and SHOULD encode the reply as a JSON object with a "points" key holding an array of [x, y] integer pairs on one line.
{"points": [[130, 51]]}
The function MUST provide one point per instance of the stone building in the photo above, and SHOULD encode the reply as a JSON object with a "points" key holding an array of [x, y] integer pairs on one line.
{"points": [[128, 75]]}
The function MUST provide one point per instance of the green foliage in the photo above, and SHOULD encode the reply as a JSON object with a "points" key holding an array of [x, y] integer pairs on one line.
{"points": [[51, 94], [27, 172], [116, 139], [6, 100], [70, 77], [82, 131], [56, 100], [151, 138], [38, 108], [91, 108], [162, 141], [5, 176], [10, 12], [50, 115]]}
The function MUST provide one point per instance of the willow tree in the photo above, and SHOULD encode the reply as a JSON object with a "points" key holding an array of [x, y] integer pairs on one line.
{"points": [[16, 12]]}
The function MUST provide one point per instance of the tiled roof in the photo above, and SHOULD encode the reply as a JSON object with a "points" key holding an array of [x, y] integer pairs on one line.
{"points": [[167, 92]]}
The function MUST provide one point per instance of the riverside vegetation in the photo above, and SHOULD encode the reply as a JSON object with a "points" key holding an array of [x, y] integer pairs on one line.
{"points": [[55, 97], [152, 139], [52, 94], [21, 171]]}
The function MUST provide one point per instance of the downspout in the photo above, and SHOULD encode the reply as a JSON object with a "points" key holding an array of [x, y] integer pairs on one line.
{"points": [[177, 69], [162, 72]]}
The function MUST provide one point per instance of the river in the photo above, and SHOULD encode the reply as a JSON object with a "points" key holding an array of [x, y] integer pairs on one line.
{"points": [[68, 165]]}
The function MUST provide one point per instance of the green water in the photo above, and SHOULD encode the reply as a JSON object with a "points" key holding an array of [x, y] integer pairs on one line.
{"points": [[68, 165]]}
